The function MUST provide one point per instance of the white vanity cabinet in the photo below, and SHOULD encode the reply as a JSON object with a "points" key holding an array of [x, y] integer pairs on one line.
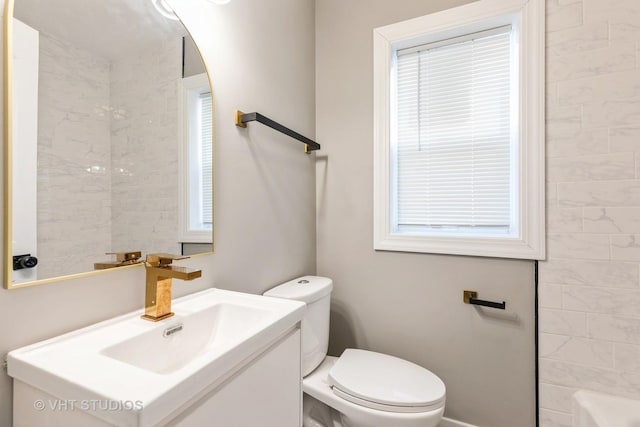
{"points": [[225, 359], [264, 391], [267, 392]]}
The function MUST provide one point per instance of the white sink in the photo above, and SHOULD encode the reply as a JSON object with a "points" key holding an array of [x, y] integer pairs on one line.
{"points": [[207, 332], [161, 366]]}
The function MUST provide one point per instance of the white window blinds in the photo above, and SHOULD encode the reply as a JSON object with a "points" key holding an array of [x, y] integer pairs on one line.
{"points": [[454, 145], [206, 144]]}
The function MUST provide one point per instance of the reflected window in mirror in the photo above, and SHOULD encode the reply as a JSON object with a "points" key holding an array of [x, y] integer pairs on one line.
{"points": [[196, 211]]}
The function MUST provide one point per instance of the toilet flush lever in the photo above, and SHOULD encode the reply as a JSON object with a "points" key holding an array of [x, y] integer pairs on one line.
{"points": [[470, 297]]}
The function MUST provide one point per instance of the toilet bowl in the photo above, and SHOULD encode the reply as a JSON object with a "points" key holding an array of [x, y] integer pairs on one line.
{"points": [[360, 388], [359, 412]]}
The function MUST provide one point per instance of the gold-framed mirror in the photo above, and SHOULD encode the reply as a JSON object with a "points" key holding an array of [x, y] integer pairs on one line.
{"points": [[109, 138]]}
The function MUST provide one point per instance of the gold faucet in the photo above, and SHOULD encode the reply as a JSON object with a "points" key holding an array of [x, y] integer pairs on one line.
{"points": [[122, 259], [157, 304]]}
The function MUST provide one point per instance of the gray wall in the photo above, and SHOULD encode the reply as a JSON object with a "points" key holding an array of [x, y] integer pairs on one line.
{"points": [[409, 305], [265, 185]]}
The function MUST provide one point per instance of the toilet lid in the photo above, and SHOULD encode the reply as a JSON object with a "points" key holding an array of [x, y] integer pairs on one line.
{"points": [[383, 382]]}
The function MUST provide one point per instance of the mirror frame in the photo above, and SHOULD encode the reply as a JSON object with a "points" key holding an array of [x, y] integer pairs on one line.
{"points": [[8, 167]]}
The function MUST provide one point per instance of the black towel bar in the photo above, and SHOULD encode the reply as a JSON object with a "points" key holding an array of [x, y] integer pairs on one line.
{"points": [[243, 118], [470, 297]]}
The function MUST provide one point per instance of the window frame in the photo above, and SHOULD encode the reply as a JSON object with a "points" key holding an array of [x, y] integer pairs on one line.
{"points": [[527, 17], [189, 87]]}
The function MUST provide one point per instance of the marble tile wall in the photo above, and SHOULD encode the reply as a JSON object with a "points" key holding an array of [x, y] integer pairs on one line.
{"points": [[74, 183], [144, 135], [590, 283], [107, 153]]}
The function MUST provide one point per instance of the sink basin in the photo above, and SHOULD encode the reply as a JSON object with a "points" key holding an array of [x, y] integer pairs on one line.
{"points": [[186, 337], [159, 367]]}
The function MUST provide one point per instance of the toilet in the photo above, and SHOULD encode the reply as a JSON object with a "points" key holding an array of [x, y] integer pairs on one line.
{"points": [[360, 388]]}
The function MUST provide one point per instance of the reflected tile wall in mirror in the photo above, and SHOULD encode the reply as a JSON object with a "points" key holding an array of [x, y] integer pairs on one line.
{"points": [[144, 97], [74, 183]]}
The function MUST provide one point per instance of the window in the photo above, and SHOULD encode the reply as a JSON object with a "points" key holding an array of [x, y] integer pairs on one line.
{"points": [[196, 208], [459, 142]]}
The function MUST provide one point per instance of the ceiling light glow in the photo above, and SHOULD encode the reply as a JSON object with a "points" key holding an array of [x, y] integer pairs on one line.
{"points": [[164, 9]]}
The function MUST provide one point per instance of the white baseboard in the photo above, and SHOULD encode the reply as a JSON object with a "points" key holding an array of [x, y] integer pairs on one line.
{"points": [[448, 422]]}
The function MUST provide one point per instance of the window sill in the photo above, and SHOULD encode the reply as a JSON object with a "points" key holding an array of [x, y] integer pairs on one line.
{"points": [[463, 245]]}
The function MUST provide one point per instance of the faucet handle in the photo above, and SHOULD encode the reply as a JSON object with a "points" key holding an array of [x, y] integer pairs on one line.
{"points": [[160, 260], [122, 259], [131, 256]]}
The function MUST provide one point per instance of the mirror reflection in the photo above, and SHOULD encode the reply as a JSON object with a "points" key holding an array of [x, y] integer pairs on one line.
{"points": [[112, 134]]}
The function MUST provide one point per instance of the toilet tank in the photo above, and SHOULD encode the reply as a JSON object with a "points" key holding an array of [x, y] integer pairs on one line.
{"points": [[315, 291]]}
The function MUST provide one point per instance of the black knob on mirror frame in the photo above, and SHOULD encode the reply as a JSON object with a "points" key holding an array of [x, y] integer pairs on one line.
{"points": [[21, 262]]}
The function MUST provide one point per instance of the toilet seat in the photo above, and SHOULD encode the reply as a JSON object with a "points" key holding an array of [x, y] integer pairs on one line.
{"points": [[387, 383], [387, 408]]}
